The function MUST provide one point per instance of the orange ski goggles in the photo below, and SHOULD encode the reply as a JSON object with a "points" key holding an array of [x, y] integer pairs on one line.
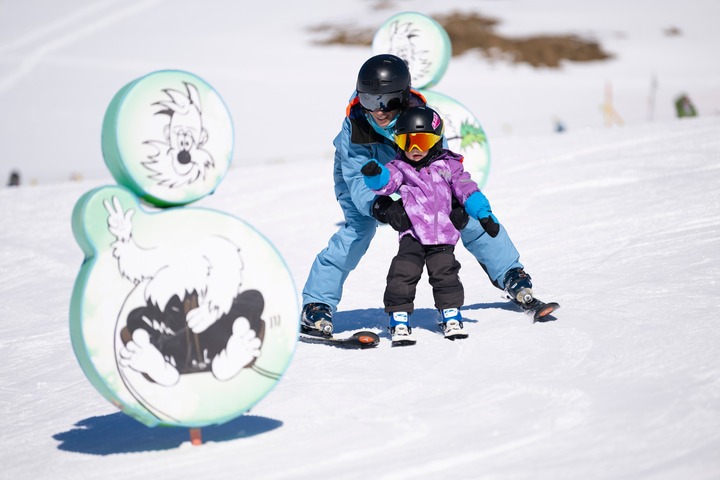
{"points": [[422, 141]]}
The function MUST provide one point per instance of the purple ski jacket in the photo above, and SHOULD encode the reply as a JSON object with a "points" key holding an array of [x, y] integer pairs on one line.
{"points": [[427, 194]]}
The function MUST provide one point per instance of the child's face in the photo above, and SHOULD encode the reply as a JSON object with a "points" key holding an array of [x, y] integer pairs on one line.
{"points": [[416, 155]]}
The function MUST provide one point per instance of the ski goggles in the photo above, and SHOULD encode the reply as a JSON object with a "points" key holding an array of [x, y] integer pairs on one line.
{"points": [[422, 141], [385, 102]]}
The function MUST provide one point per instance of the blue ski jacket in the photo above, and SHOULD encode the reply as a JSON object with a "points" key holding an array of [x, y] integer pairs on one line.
{"points": [[357, 143]]}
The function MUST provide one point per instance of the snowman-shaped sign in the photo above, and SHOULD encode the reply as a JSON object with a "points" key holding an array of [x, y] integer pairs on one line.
{"points": [[426, 48], [179, 316]]}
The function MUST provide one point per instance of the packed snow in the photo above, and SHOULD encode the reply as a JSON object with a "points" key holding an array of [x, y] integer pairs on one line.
{"points": [[620, 225]]}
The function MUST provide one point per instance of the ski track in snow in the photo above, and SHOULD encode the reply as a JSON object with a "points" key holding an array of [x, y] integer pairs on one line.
{"points": [[69, 29]]}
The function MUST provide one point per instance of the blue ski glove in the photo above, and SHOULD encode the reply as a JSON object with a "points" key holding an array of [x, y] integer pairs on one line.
{"points": [[376, 175], [477, 206]]}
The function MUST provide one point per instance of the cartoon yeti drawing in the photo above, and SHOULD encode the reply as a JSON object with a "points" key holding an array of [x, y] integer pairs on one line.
{"points": [[194, 317], [180, 159], [402, 44]]}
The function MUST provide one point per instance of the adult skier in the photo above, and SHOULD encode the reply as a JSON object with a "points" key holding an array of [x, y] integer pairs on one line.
{"points": [[383, 90]]}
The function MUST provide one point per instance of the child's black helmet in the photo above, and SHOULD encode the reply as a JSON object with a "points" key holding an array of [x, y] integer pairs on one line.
{"points": [[419, 120], [383, 83], [419, 128]]}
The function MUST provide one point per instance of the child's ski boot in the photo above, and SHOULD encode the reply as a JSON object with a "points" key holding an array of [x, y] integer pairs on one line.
{"points": [[400, 331], [452, 324]]}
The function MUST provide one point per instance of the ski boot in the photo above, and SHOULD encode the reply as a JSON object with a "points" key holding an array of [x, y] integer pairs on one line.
{"points": [[400, 331], [518, 287], [316, 319], [452, 324]]}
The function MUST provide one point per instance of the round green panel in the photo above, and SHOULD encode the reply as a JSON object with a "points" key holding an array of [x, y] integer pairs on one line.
{"points": [[182, 316], [464, 134], [419, 40], [168, 137]]}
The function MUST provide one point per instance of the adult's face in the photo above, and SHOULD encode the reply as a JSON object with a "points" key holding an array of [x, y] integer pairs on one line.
{"points": [[383, 119]]}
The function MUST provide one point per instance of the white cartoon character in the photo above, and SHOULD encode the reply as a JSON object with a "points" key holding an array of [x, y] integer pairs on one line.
{"points": [[402, 44], [193, 317], [180, 159]]}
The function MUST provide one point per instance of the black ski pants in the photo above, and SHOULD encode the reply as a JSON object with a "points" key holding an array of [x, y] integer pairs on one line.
{"points": [[407, 267]]}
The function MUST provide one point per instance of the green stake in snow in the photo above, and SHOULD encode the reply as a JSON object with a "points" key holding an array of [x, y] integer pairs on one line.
{"points": [[179, 316]]}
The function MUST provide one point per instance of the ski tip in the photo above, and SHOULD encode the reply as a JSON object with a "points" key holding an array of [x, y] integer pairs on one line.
{"points": [[403, 343], [543, 314], [546, 310], [459, 336], [367, 339]]}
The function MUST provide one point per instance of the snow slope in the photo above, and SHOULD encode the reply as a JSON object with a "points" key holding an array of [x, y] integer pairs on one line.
{"points": [[621, 226]]}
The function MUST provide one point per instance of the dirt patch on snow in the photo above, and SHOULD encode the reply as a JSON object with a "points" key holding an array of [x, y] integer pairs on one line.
{"points": [[474, 32]]}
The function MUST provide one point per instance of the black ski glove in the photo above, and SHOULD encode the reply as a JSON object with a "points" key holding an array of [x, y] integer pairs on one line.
{"points": [[490, 225], [371, 169], [458, 215], [477, 206], [385, 210]]}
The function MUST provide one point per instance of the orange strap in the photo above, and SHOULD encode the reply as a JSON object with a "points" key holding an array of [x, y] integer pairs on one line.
{"points": [[354, 102]]}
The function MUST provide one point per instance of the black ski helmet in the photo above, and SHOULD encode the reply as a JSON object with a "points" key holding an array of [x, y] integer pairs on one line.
{"points": [[419, 120], [419, 128], [383, 82]]}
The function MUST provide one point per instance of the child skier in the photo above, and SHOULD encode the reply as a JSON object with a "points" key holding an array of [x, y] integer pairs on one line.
{"points": [[427, 177]]}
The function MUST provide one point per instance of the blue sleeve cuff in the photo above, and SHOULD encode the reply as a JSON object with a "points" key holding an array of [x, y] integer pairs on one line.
{"points": [[477, 205]]}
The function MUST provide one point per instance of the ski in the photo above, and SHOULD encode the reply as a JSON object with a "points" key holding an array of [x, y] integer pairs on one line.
{"points": [[453, 329], [401, 333], [539, 310], [456, 334], [358, 340], [403, 342]]}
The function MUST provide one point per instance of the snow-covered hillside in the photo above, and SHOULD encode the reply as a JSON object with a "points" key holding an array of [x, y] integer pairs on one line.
{"points": [[620, 225]]}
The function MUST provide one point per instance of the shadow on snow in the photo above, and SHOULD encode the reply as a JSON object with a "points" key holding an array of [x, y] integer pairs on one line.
{"points": [[422, 318], [119, 433]]}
